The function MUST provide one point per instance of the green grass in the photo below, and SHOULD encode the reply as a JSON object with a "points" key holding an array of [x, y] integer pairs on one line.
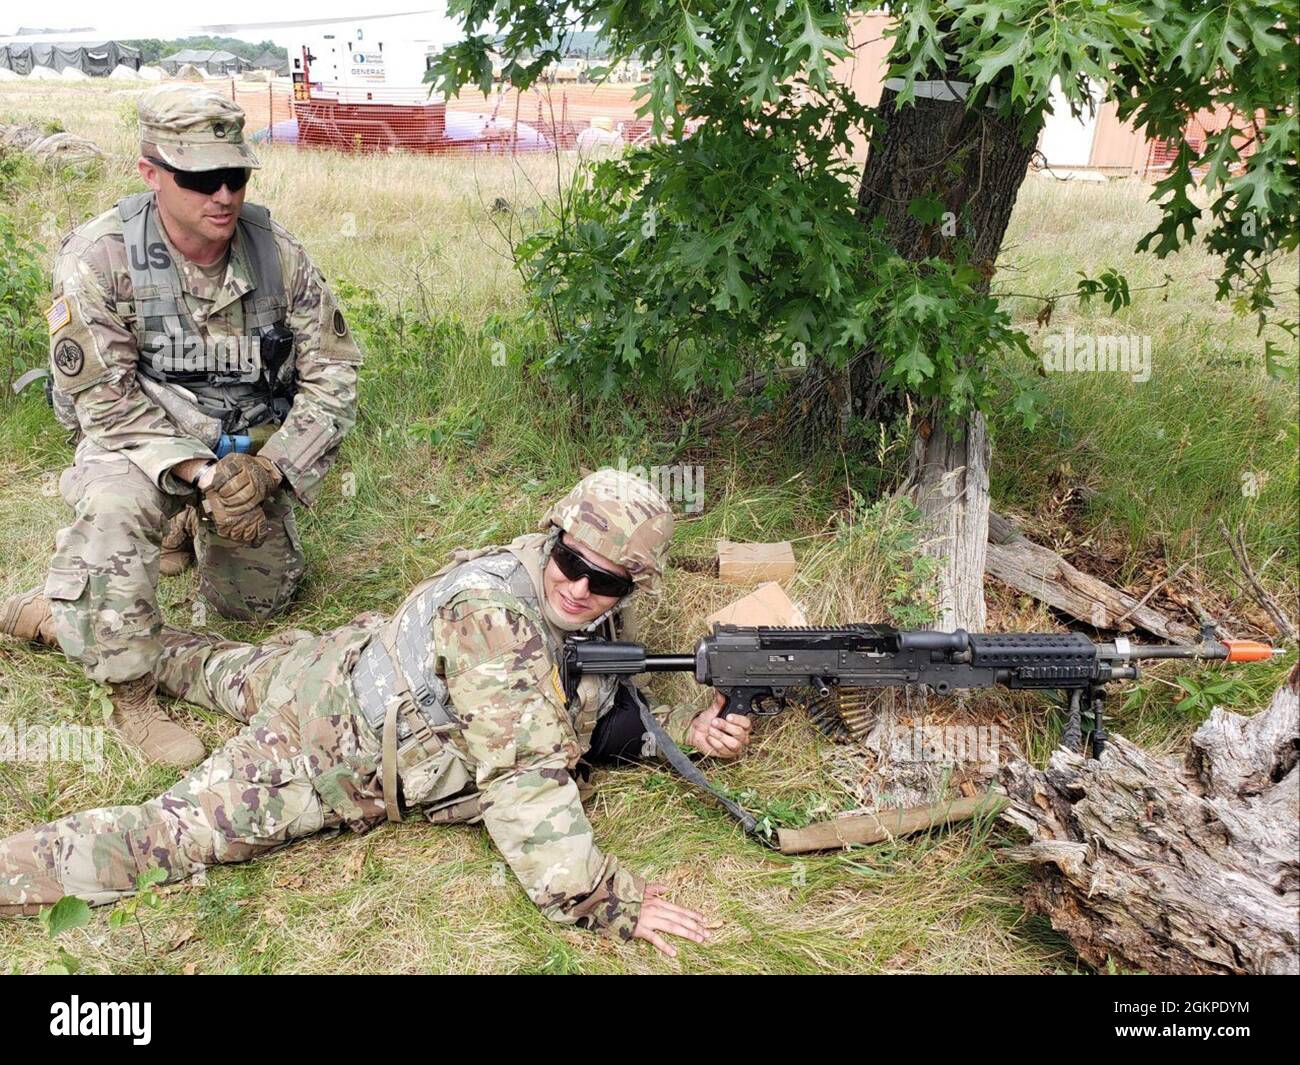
{"points": [[1210, 435], [453, 450]]}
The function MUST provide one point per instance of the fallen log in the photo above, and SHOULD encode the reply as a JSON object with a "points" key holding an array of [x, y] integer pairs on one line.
{"points": [[1171, 867], [885, 824], [51, 149], [1041, 572]]}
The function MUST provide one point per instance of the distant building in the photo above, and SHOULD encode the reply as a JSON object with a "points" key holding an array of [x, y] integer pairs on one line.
{"points": [[1098, 142]]}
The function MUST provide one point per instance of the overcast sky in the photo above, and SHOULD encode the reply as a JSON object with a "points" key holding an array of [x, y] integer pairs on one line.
{"points": [[162, 18]]}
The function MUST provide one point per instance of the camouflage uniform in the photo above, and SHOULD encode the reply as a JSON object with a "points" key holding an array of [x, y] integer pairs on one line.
{"points": [[311, 757], [104, 572], [300, 764]]}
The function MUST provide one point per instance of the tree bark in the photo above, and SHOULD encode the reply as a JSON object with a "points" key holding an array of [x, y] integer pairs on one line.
{"points": [[952, 493], [973, 163], [1038, 571], [1169, 868]]}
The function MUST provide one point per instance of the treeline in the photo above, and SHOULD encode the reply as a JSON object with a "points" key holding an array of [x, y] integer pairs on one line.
{"points": [[152, 49]]}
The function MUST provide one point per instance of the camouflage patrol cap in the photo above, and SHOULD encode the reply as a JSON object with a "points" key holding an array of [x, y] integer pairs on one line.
{"points": [[621, 517], [193, 128]]}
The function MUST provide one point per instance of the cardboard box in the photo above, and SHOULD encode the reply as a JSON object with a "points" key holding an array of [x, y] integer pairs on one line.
{"points": [[751, 563], [765, 605]]}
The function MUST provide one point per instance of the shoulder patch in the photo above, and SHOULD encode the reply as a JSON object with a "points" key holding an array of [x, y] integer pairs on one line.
{"points": [[57, 316], [337, 344], [69, 357], [488, 634], [75, 357]]}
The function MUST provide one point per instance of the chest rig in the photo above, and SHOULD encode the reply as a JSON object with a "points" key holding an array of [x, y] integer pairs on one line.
{"points": [[404, 699], [242, 381]]}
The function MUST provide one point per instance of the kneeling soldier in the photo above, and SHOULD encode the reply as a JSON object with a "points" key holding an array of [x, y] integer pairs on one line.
{"points": [[453, 707], [200, 358]]}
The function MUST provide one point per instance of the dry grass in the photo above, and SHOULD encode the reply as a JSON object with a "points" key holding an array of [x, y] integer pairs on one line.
{"points": [[452, 450]]}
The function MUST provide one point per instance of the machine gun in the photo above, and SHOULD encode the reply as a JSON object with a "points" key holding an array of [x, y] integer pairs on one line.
{"points": [[755, 668]]}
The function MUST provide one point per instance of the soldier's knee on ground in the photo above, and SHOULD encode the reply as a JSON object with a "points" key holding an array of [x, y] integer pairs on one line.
{"points": [[102, 577], [252, 595], [252, 583]]}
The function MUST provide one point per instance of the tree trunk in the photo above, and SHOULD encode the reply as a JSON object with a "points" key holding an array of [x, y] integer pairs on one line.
{"points": [[1168, 867], [952, 492], [973, 163]]}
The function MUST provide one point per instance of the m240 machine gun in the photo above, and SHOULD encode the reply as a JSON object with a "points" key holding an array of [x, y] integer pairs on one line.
{"points": [[755, 668]]}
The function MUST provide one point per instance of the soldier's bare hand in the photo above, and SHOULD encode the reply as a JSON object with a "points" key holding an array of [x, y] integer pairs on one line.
{"points": [[722, 737], [659, 915]]}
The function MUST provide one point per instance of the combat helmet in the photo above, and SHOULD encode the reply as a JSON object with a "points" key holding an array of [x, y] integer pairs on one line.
{"points": [[620, 516]]}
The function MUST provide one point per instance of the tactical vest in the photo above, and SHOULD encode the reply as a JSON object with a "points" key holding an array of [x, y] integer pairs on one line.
{"points": [[243, 384], [404, 699]]}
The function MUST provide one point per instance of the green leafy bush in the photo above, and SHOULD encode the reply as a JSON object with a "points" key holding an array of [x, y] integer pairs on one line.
{"points": [[737, 249], [24, 292]]}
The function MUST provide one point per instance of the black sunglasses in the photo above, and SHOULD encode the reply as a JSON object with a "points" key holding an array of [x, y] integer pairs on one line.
{"points": [[599, 581], [206, 181]]}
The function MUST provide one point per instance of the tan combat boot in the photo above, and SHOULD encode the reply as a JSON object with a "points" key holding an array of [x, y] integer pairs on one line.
{"points": [[27, 616], [178, 543], [140, 719]]}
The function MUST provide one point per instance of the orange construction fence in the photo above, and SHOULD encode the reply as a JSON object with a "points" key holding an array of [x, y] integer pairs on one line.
{"points": [[382, 118]]}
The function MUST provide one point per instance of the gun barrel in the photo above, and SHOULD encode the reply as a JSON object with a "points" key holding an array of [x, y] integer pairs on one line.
{"points": [[1226, 651], [669, 663], [1209, 649]]}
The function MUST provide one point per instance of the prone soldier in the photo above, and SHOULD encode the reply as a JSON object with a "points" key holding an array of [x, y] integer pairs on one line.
{"points": [[453, 707], [200, 358]]}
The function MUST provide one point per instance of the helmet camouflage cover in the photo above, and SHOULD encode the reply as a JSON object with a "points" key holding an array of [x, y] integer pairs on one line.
{"points": [[620, 516]]}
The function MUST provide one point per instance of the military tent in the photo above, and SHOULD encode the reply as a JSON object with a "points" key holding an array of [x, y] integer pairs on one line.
{"points": [[94, 59], [207, 61], [268, 60]]}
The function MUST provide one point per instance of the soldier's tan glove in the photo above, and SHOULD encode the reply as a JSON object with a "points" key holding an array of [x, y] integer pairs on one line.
{"points": [[251, 527], [233, 498], [243, 482]]}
